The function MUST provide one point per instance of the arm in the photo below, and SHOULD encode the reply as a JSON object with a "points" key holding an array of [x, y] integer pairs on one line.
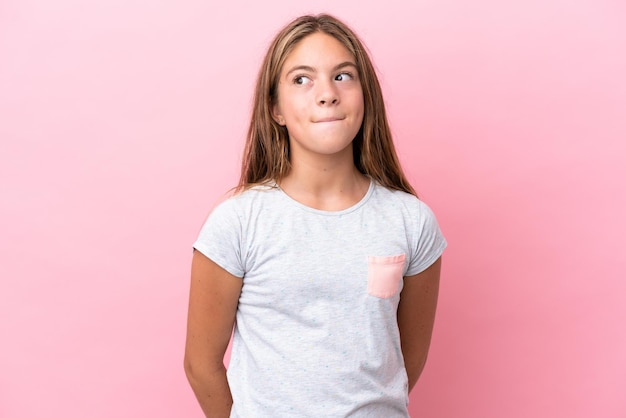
{"points": [[416, 316], [213, 299]]}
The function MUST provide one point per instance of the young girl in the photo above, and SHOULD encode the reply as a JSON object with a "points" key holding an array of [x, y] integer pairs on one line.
{"points": [[324, 262]]}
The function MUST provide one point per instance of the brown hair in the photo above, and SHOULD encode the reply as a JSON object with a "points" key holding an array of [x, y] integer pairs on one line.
{"points": [[266, 153]]}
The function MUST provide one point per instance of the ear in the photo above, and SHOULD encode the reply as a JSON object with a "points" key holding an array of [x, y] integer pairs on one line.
{"points": [[277, 115]]}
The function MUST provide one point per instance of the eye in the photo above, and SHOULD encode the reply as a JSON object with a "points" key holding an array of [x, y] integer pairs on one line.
{"points": [[343, 77], [301, 79]]}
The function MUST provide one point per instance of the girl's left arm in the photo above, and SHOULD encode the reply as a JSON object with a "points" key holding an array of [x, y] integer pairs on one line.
{"points": [[416, 317]]}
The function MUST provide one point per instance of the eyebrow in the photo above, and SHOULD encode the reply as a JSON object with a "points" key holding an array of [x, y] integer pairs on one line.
{"points": [[313, 70]]}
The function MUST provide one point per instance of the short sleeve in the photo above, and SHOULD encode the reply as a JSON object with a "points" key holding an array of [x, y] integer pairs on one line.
{"points": [[220, 238], [428, 241]]}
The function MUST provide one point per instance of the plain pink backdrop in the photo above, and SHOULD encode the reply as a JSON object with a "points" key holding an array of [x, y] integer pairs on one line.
{"points": [[122, 122]]}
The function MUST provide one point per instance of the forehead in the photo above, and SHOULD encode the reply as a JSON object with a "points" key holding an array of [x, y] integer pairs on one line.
{"points": [[318, 50]]}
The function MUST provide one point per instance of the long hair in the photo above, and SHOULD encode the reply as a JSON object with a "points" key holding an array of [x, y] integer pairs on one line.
{"points": [[266, 153]]}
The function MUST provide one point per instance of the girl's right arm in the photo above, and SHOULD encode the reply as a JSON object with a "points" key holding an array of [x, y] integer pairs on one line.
{"points": [[213, 299]]}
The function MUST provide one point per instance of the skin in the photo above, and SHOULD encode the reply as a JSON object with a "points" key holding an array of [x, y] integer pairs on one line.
{"points": [[213, 298], [320, 101], [416, 317]]}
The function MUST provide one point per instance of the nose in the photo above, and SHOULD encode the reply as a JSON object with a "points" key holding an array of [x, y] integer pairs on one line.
{"points": [[327, 94]]}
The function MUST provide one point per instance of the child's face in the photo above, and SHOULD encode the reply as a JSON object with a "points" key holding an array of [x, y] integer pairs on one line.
{"points": [[320, 99]]}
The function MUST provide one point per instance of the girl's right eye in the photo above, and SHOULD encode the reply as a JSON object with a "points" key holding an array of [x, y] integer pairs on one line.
{"points": [[301, 79]]}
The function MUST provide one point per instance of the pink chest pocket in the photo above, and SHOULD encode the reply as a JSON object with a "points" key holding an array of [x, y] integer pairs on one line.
{"points": [[384, 274]]}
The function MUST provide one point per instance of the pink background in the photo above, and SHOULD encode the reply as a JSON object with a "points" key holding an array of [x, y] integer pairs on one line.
{"points": [[122, 122]]}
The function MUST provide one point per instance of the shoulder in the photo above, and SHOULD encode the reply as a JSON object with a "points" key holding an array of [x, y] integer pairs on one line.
{"points": [[416, 216], [247, 200], [235, 214], [403, 201]]}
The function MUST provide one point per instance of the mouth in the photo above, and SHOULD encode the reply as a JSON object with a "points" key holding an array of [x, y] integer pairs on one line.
{"points": [[329, 119]]}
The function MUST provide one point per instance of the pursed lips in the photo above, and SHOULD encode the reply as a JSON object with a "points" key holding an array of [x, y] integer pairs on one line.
{"points": [[329, 119]]}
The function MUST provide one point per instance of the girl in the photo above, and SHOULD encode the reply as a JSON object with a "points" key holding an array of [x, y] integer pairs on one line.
{"points": [[324, 262]]}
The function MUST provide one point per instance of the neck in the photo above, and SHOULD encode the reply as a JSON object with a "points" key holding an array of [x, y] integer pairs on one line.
{"points": [[332, 183]]}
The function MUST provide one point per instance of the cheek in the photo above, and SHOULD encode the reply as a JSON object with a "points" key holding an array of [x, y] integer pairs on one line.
{"points": [[360, 105], [357, 100], [295, 110], [289, 105]]}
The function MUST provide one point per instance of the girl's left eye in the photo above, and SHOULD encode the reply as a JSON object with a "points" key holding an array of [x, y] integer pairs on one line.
{"points": [[343, 77]]}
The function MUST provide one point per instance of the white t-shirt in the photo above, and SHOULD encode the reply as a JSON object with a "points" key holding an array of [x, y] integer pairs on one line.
{"points": [[316, 331]]}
